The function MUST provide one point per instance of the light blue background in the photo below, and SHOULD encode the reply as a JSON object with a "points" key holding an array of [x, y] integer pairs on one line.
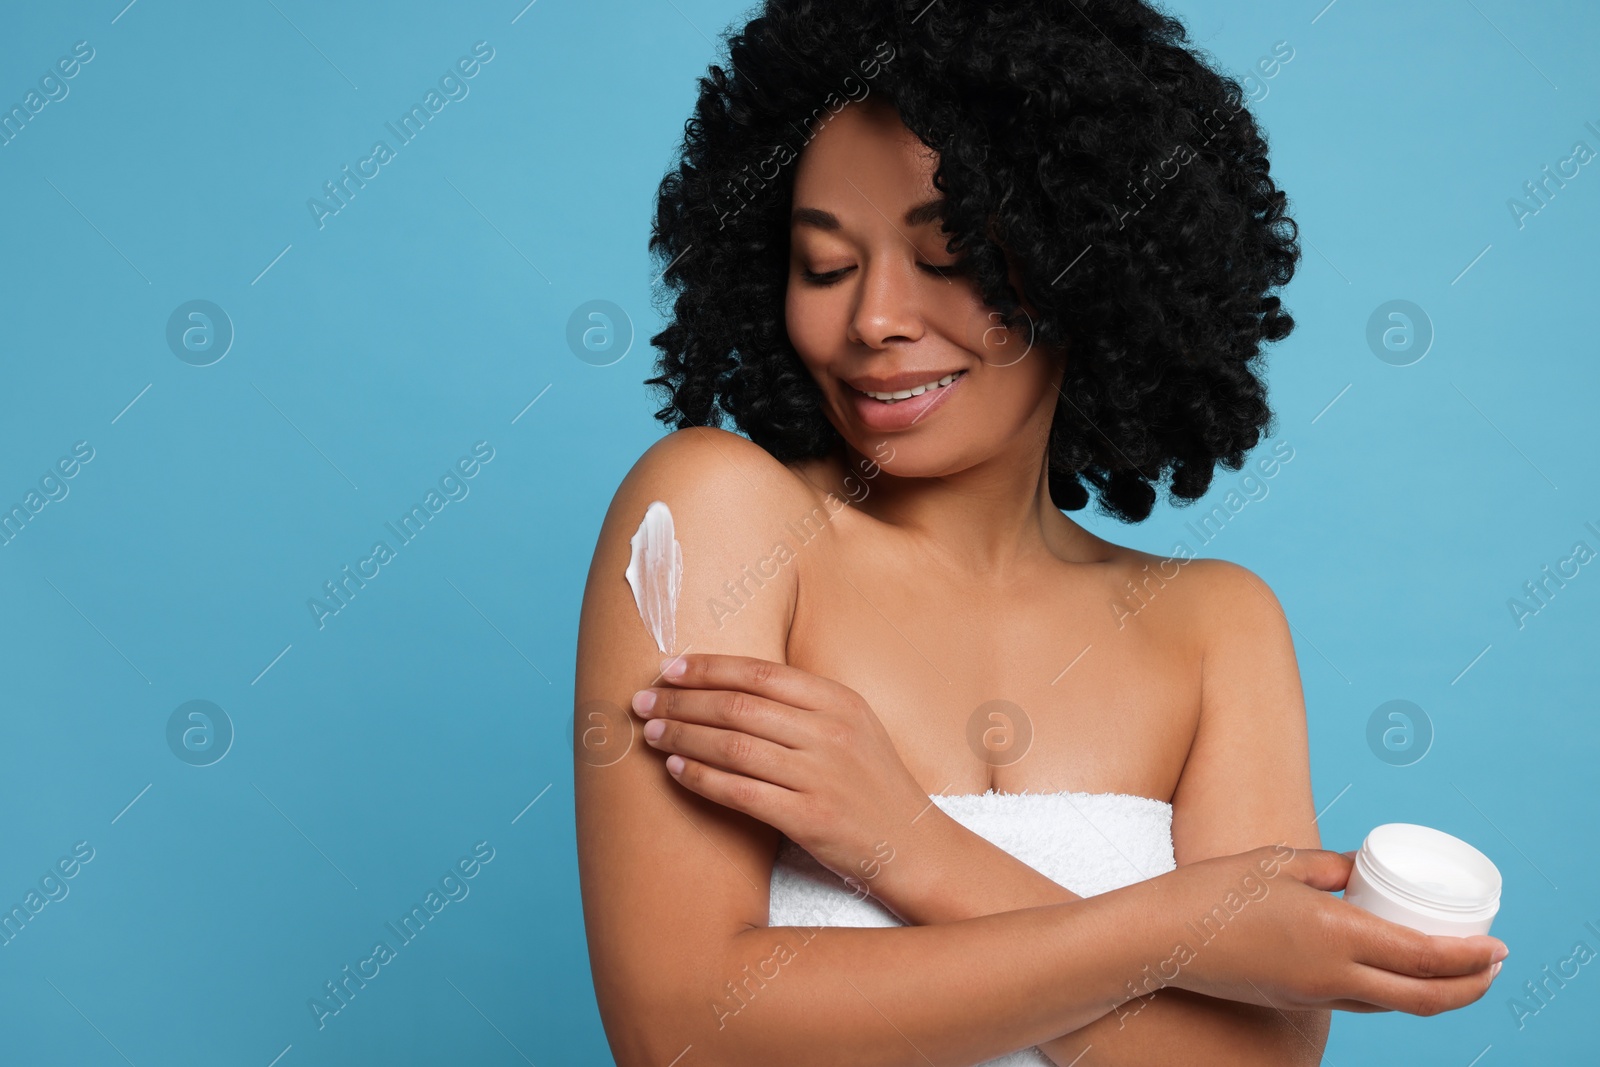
{"points": [[431, 712]]}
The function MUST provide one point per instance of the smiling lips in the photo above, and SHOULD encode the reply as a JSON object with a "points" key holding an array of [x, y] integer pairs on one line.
{"points": [[897, 402]]}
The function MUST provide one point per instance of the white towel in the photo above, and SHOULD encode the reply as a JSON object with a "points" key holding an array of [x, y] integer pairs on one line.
{"points": [[1088, 842]]}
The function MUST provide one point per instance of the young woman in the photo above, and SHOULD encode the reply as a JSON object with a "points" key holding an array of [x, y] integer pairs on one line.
{"points": [[931, 774]]}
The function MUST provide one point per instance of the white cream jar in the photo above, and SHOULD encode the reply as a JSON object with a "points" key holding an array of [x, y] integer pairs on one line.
{"points": [[1425, 879]]}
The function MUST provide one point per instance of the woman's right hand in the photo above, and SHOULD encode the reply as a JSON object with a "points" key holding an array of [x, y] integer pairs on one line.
{"points": [[1262, 927]]}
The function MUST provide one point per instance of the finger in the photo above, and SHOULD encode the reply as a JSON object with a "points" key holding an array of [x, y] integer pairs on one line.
{"points": [[757, 799], [1403, 951], [732, 710], [1319, 868], [1360, 1006], [1422, 996], [727, 750], [760, 677]]}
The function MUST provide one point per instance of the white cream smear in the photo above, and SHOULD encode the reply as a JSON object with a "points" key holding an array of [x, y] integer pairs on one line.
{"points": [[655, 573]]}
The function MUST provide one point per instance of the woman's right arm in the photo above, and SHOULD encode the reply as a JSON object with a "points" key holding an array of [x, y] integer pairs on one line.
{"points": [[675, 888]]}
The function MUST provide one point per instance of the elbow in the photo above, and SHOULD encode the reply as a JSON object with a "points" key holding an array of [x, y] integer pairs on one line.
{"points": [[1297, 1038], [634, 1048], [641, 1028], [661, 1015], [654, 1026]]}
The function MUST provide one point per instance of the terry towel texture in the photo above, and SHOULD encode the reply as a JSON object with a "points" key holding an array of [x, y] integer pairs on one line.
{"points": [[1089, 842]]}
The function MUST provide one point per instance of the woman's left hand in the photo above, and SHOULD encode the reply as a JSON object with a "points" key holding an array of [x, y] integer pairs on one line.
{"points": [[802, 753]]}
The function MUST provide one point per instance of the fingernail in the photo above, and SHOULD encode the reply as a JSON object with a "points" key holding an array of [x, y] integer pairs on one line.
{"points": [[673, 668], [654, 729], [1500, 954], [675, 763], [1494, 971], [644, 701]]}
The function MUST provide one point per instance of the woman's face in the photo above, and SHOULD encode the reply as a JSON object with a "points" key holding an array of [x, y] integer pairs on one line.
{"points": [[874, 307]]}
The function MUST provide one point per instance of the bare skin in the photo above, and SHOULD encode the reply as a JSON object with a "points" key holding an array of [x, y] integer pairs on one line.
{"points": [[923, 571]]}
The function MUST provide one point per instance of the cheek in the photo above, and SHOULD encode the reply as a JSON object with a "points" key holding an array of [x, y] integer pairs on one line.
{"points": [[811, 324], [1013, 393], [793, 313], [1008, 348], [977, 328], [1016, 378]]}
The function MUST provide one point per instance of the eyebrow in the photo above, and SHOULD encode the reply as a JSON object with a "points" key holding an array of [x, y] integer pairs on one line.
{"points": [[920, 215]]}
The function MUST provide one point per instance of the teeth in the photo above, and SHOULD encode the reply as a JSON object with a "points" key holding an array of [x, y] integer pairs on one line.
{"points": [[906, 394]]}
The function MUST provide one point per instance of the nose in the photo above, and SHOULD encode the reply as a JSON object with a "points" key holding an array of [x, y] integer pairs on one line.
{"points": [[887, 307]]}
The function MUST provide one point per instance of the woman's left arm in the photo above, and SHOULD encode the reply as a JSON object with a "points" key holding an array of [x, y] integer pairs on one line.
{"points": [[1246, 783]]}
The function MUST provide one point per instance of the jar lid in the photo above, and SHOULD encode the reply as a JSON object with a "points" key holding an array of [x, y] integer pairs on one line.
{"points": [[1430, 867]]}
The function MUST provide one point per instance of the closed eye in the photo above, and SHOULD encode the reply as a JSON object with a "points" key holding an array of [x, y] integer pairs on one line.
{"points": [[945, 270], [938, 270], [825, 279]]}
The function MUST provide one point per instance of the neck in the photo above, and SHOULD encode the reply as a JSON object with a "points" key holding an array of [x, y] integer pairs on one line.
{"points": [[987, 518]]}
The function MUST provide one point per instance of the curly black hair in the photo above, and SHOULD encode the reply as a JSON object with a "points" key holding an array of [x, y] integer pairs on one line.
{"points": [[1116, 166]]}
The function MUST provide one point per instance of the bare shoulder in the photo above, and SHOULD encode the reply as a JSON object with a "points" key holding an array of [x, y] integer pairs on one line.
{"points": [[1205, 598], [1230, 594], [1246, 639], [729, 499], [730, 475]]}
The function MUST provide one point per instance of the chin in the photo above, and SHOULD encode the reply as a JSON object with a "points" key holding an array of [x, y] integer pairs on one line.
{"points": [[920, 455]]}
